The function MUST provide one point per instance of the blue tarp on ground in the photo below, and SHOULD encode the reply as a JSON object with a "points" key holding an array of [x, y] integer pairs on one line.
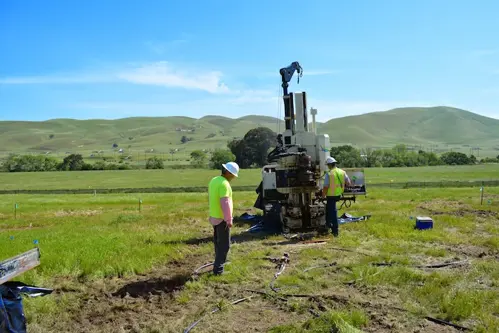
{"points": [[12, 319], [251, 218], [259, 225], [345, 218]]}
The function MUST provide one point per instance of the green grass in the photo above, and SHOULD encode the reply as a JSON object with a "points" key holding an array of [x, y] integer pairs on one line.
{"points": [[438, 129], [94, 246], [332, 321], [94, 233], [200, 178]]}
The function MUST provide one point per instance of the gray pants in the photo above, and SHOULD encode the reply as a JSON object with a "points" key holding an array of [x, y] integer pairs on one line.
{"points": [[221, 239]]}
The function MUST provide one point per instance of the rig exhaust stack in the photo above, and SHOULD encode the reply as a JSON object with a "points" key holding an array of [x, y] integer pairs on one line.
{"points": [[289, 193]]}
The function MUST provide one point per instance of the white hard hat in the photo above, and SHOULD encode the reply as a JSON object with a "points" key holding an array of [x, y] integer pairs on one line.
{"points": [[232, 167], [330, 160]]}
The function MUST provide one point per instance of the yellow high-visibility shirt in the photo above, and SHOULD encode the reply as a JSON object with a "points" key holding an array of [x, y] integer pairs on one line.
{"points": [[218, 188]]}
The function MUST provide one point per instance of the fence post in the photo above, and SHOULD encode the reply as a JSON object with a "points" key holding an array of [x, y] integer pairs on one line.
{"points": [[481, 194]]}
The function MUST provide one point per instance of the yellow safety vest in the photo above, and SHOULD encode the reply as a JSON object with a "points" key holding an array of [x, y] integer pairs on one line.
{"points": [[336, 182]]}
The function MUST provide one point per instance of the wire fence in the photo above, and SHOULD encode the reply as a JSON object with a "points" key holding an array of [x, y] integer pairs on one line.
{"points": [[436, 184], [201, 189]]}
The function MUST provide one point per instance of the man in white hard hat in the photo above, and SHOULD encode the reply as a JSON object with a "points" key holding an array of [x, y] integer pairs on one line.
{"points": [[221, 208], [333, 188]]}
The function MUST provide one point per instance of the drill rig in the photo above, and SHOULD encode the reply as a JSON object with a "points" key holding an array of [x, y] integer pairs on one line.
{"points": [[289, 193]]}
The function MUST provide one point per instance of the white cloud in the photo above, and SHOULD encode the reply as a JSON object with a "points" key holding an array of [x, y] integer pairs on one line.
{"points": [[158, 73], [164, 74]]}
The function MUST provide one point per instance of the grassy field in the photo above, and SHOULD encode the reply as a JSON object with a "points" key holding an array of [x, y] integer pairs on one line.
{"points": [[189, 178], [115, 269]]}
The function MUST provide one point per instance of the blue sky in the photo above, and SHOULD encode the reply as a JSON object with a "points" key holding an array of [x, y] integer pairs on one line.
{"points": [[112, 59]]}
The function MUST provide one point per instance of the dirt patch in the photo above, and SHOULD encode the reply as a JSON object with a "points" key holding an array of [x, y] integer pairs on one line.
{"points": [[380, 304], [483, 213], [80, 212], [137, 304], [473, 251], [383, 306], [426, 326], [451, 230], [455, 208], [388, 321], [28, 227], [445, 203], [255, 315], [154, 302]]}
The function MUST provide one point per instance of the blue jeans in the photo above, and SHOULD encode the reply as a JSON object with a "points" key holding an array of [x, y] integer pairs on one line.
{"points": [[332, 214]]}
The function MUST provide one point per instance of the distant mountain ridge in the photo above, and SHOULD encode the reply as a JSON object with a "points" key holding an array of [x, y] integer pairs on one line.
{"points": [[414, 125]]}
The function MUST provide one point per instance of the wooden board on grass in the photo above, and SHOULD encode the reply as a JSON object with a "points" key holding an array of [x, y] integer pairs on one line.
{"points": [[19, 264]]}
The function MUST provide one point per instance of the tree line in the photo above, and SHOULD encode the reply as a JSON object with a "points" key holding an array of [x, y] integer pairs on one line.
{"points": [[398, 156], [73, 162], [251, 151]]}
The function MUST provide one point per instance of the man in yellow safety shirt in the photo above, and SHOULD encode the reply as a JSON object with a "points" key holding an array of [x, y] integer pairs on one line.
{"points": [[334, 186], [221, 208]]}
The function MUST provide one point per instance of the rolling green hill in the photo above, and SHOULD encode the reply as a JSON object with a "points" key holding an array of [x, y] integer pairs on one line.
{"points": [[442, 127], [160, 134], [418, 126]]}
